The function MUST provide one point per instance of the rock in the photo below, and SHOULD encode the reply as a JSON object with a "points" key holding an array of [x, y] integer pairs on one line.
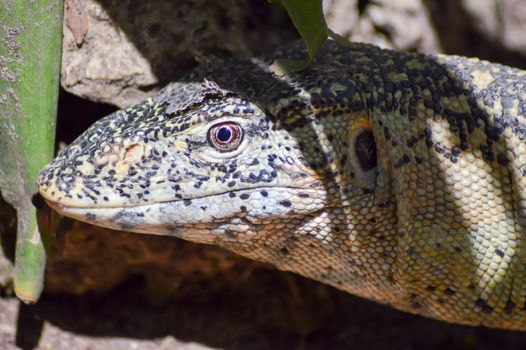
{"points": [[119, 52], [83, 258], [384, 23], [487, 29]]}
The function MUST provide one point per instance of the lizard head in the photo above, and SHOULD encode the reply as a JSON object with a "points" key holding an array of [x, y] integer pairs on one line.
{"points": [[231, 156], [199, 156]]}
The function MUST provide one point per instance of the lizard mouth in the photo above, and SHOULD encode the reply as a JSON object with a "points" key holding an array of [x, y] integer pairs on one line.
{"points": [[254, 203], [60, 207]]}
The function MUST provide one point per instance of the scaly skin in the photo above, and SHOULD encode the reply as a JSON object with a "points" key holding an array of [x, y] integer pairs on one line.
{"points": [[394, 176]]}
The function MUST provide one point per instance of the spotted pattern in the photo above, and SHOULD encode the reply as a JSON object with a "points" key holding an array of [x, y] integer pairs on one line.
{"points": [[424, 211]]}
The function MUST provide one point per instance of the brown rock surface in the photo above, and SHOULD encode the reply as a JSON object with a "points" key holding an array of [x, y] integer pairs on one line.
{"points": [[84, 258], [119, 51]]}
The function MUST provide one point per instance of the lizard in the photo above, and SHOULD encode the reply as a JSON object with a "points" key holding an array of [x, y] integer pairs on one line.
{"points": [[395, 176]]}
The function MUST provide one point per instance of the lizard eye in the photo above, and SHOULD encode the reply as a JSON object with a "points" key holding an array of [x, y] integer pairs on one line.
{"points": [[363, 154], [225, 136]]}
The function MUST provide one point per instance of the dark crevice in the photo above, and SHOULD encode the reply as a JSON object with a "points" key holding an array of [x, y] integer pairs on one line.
{"points": [[362, 6], [8, 224], [76, 114]]}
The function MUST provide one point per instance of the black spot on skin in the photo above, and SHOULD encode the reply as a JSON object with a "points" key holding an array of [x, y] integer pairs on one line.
{"points": [[430, 288], [483, 305], [499, 252], [404, 160], [503, 160], [230, 233], [387, 135], [284, 251], [487, 309], [243, 208], [303, 195], [264, 193], [367, 191], [244, 196], [285, 203], [429, 141], [91, 216], [448, 291], [455, 151], [510, 306], [416, 305], [231, 194], [187, 202]]}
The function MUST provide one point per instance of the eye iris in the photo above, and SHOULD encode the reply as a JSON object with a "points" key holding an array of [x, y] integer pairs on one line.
{"points": [[224, 134]]}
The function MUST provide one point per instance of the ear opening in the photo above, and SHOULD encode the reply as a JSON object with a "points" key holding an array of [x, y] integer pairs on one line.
{"points": [[362, 152]]}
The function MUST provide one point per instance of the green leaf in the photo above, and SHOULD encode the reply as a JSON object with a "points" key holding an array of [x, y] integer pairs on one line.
{"points": [[284, 66], [30, 48], [307, 16]]}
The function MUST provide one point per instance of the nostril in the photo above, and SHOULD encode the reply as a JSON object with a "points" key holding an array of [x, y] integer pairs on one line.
{"points": [[133, 152]]}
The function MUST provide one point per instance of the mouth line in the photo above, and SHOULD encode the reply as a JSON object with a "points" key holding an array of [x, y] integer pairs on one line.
{"points": [[61, 207]]}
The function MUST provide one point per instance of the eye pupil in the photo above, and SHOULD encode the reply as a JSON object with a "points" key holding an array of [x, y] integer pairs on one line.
{"points": [[224, 134]]}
